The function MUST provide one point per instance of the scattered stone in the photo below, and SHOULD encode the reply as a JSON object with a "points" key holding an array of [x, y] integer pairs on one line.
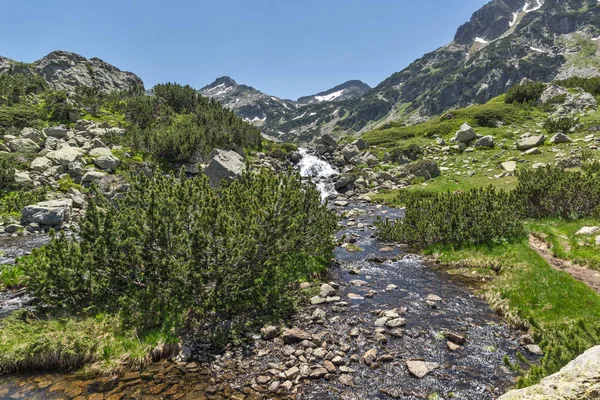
{"points": [[433, 297], [530, 142], [295, 335], [327, 290], [354, 296], [391, 287], [395, 323], [269, 332], [318, 373], [532, 151], [588, 230], [370, 357], [534, 349], [485, 141], [24, 146], [453, 346], [292, 373], [560, 138], [509, 166], [455, 338], [421, 368]]}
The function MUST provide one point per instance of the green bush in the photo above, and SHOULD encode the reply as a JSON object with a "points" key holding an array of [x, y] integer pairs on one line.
{"points": [[590, 85], [7, 173], [554, 192], [174, 141], [13, 202], [175, 248], [489, 118], [475, 217], [527, 93], [565, 124]]}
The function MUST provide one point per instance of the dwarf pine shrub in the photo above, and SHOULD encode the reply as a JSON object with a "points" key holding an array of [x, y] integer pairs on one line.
{"points": [[478, 216], [526, 93], [554, 192], [175, 247]]}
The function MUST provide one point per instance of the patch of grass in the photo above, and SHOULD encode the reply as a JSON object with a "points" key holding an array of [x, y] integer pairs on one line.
{"points": [[11, 276], [28, 342]]}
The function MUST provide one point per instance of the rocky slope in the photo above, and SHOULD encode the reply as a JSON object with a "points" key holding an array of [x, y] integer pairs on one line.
{"points": [[66, 71], [505, 41], [287, 120]]}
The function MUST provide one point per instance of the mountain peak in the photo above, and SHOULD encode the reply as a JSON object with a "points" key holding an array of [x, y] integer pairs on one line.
{"points": [[224, 80]]}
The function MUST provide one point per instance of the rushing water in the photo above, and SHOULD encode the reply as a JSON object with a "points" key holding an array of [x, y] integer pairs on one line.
{"points": [[320, 171], [474, 372]]}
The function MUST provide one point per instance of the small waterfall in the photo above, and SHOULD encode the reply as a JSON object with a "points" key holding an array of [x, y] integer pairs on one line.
{"points": [[319, 171]]}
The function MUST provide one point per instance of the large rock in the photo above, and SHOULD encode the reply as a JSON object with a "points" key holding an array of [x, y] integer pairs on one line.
{"points": [[48, 213], [295, 335], [37, 136], [578, 380], [465, 134], [224, 165], [107, 162], [57, 132], [24, 146], [100, 152], [485, 141], [41, 164], [424, 168], [328, 141], [530, 142], [349, 151], [64, 156], [420, 368], [559, 138], [361, 144]]}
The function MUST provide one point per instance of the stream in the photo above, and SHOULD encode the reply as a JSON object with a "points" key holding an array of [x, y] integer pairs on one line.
{"points": [[372, 280]]}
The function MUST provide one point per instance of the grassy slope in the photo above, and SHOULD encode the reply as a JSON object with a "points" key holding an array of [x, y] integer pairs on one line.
{"points": [[526, 288]]}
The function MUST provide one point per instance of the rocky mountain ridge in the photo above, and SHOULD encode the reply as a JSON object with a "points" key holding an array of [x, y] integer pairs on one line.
{"points": [[66, 71], [283, 119]]}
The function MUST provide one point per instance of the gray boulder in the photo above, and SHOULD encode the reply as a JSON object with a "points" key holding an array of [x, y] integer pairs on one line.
{"points": [[349, 152], [24, 146], [37, 136], [424, 168], [361, 144], [58, 132], [328, 141], [465, 133], [578, 380], [100, 151], [485, 141], [559, 138], [65, 155], [41, 164], [224, 164], [107, 162], [530, 142], [92, 176], [48, 213]]}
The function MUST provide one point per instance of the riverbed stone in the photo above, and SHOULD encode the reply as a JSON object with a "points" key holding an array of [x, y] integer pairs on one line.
{"points": [[295, 335], [370, 357], [420, 368]]}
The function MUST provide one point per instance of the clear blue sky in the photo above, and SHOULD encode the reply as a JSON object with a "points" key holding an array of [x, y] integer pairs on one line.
{"points": [[282, 47]]}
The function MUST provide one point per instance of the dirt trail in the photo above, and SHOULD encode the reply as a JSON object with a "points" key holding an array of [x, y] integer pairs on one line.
{"points": [[585, 275]]}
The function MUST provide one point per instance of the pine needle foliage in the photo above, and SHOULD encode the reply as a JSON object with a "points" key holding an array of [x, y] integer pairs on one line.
{"points": [[175, 247], [478, 216], [554, 192]]}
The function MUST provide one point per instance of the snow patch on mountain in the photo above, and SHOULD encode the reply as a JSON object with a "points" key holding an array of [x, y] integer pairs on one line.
{"points": [[331, 96]]}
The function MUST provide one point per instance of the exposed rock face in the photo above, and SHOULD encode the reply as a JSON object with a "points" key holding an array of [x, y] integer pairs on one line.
{"points": [[48, 213], [578, 380], [66, 71], [224, 164]]}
